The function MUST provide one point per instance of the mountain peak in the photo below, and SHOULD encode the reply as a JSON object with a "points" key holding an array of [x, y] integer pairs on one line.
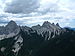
{"points": [[12, 23], [11, 27], [57, 24], [46, 23]]}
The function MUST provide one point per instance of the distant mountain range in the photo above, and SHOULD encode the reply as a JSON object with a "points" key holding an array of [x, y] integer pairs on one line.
{"points": [[70, 28], [46, 40], [73, 28], [47, 28]]}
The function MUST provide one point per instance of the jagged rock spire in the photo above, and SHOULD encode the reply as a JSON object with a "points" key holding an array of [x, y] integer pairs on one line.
{"points": [[11, 27], [57, 24], [11, 23], [46, 23]]}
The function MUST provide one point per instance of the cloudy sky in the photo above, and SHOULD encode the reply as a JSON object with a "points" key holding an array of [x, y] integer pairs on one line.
{"points": [[33, 12]]}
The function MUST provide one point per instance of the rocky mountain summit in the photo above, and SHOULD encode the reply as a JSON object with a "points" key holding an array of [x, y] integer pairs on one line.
{"points": [[48, 29], [11, 29]]}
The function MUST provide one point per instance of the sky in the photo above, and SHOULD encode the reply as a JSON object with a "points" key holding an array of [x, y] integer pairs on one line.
{"points": [[33, 12]]}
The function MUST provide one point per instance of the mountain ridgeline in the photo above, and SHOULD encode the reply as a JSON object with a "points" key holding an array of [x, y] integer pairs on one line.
{"points": [[46, 40]]}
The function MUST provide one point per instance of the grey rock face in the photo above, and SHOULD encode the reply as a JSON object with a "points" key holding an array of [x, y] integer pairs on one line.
{"points": [[48, 29], [11, 27], [10, 30]]}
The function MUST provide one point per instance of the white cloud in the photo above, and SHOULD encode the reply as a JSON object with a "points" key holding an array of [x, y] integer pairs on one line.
{"points": [[22, 6]]}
